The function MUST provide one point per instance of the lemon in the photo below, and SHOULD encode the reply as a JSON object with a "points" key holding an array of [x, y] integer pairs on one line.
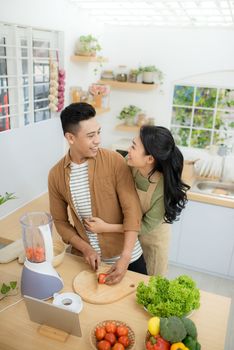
{"points": [[154, 325]]}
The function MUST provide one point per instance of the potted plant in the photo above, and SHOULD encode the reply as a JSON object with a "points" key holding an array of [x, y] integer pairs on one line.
{"points": [[6, 197], [98, 91], [7, 288], [150, 73], [87, 46], [128, 114]]}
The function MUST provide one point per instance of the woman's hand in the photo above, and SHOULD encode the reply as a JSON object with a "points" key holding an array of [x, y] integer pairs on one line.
{"points": [[95, 225]]}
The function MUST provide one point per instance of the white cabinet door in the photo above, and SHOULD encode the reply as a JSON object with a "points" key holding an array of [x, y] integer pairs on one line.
{"points": [[207, 237], [231, 267], [175, 239]]}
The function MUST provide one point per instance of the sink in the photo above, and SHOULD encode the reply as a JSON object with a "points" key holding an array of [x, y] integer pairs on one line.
{"points": [[214, 188]]}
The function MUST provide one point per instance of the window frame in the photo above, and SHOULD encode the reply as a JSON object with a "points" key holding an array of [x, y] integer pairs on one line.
{"points": [[216, 109], [19, 115]]}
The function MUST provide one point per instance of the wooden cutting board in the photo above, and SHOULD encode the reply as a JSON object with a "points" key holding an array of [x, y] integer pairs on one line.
{"points": [[86, 285]]}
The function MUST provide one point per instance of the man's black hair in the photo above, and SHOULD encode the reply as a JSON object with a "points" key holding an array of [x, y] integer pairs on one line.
{"points": [[73, 114]]}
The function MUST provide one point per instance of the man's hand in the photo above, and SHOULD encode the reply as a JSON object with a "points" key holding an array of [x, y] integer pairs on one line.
{"points": [[95, 225], [92, 257], [118, 270]]}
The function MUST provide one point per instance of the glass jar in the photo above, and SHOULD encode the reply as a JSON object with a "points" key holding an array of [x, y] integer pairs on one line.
{"points": [[121, 74], [76, 92]]}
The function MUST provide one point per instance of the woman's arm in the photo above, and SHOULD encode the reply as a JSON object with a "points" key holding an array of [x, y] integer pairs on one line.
{"points": [[98, 225]]}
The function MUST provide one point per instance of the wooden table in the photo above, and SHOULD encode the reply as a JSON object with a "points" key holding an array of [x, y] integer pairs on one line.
{"points": [[18, 332]]}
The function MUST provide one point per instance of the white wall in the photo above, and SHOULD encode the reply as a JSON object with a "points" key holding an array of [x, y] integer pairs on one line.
{"points": [[27, 154], [179, 53]]}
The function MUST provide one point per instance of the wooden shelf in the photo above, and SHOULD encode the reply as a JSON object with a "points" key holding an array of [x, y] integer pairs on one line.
{"points": [[126, 85], [123, 127], [76, 58], [100, 111]]}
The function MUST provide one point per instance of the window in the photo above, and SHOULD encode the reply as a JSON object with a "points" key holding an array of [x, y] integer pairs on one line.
{"points": [[202, 116], [25, 55]]}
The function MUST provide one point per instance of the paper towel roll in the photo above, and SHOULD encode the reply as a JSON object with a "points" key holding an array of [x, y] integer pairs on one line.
{"points": [[69, 301]]}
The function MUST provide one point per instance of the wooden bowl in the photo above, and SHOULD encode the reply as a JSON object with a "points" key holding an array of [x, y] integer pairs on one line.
{"points": [[131, 334], [59, 252]]}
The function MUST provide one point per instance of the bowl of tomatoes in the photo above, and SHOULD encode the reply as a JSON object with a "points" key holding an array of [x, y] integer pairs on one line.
{"points": [[112, 335]]}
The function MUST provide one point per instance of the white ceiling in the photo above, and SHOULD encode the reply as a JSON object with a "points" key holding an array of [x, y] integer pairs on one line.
{"points": [[161, 13]]}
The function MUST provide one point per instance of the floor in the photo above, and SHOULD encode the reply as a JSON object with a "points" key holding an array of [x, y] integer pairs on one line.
{"points": [[215, 285]]}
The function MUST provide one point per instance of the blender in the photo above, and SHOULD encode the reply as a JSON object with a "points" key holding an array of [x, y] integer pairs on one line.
{"points": [[39, 279]]}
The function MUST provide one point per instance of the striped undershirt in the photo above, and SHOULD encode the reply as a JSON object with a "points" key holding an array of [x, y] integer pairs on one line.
{"points": [[79, 187]]}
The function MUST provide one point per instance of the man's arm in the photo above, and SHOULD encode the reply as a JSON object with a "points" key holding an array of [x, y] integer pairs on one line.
{"points": [[58, 210], [131, 209]]}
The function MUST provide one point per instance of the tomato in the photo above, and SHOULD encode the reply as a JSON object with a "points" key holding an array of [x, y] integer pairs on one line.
{"points": [[102, 278], [149, 345], [118, 346], [110, 327], [124, 340], [122, 330], [103, 345], [110, 337], [100, 333]]}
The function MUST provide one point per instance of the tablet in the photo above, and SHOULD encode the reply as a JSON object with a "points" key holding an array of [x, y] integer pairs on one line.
{"points": [[53, 316]]}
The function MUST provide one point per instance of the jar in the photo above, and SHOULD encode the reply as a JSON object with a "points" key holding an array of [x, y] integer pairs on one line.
{"points": [[121, 74], [108, 75], [132, 77], [75, 94]]}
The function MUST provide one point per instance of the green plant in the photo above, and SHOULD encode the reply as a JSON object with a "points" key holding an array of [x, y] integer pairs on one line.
{"points": [[6, 289], [129, 112], [89, 44], [134, 71], [152, 69], [6, 197]]}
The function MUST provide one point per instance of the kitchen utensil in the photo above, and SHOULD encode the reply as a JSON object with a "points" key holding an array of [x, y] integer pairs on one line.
{"points": [[39, 278], [131, 334], [11, 251], [85, 284], [59, 249]]}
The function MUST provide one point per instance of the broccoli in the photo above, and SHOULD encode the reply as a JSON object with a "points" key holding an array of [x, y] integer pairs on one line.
{"points": [[190, 327], [172, 329]]}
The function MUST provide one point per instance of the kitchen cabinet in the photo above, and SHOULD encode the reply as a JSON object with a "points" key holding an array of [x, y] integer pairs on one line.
{"points": [[203, 239]]}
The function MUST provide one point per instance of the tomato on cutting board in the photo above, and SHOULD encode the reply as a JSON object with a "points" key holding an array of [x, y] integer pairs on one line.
{"points": [[102, 278]]}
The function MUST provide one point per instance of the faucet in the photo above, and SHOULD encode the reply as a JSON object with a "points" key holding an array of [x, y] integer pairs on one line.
{"points": [[222, 151]]}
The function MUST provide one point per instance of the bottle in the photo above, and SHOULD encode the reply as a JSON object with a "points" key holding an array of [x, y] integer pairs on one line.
{"points": [[75, 94]]}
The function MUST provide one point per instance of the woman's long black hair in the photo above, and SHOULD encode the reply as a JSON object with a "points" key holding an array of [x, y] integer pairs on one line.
{"points": [[159, 143]]}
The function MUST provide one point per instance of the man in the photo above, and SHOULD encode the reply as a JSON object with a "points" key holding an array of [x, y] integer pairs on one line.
{"points": [[95, 182]]}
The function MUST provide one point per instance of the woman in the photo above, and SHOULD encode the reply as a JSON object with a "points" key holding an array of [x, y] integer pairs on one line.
{"points": [[157, 165]]}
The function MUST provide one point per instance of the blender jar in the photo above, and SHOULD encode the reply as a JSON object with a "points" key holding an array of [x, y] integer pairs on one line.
{"points": [[37, 239]]}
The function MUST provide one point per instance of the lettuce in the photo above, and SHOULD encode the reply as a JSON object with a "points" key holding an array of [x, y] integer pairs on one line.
{"points": [[164, 298]]}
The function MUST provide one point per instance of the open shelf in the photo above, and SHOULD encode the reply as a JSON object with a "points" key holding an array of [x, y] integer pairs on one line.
{"points": [[76, 58], [100, 111], [126, 85], [123, 127]]}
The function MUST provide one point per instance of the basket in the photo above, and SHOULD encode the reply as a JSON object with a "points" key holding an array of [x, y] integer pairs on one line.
{"points": [[131, 334]]}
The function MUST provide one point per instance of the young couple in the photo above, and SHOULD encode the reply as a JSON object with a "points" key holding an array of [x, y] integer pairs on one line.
{"points": [[118, 207]]}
